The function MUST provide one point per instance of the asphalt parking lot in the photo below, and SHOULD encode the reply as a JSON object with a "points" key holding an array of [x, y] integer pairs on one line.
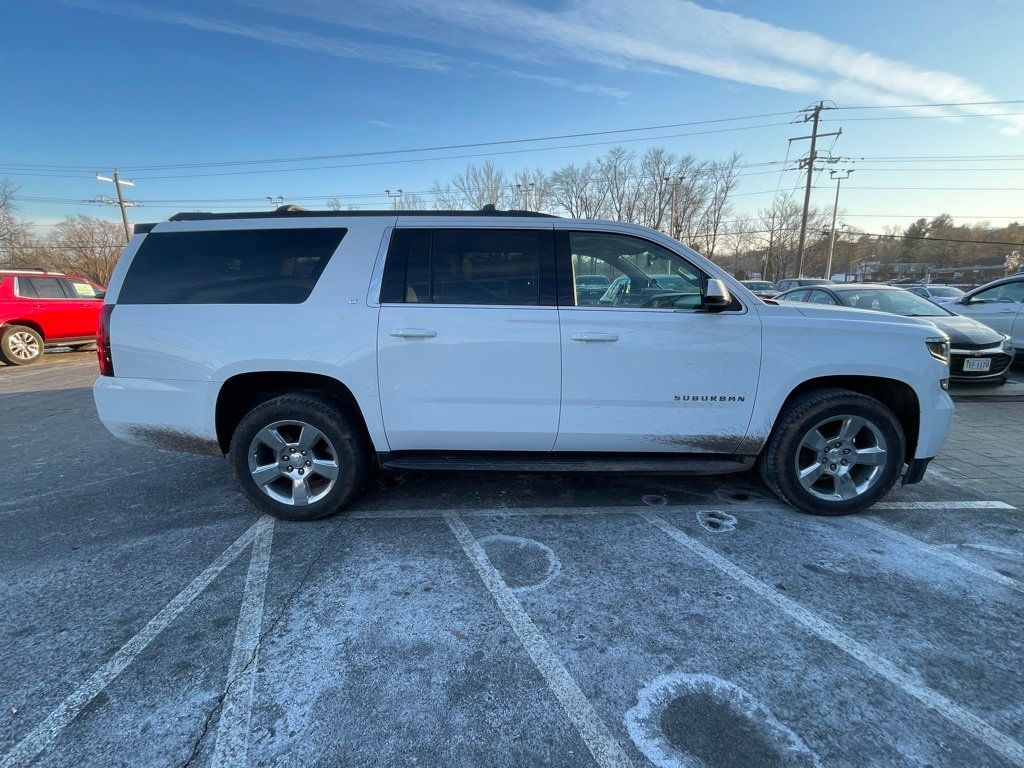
{"points": [[151, 618]]}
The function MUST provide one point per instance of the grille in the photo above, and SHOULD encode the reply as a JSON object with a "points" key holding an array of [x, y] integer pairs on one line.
{"points": [[999, 364]]}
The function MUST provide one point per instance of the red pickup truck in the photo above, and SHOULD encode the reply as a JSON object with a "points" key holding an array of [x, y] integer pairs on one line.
{"points": [[41, 309]]}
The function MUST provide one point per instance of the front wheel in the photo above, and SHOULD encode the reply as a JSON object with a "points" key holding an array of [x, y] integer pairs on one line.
{"points": [[20, 345], [834, 452], [298, 457]]}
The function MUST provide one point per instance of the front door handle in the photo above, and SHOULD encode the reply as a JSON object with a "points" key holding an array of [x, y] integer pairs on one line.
{"points": [[413, 333], [599, 337]]}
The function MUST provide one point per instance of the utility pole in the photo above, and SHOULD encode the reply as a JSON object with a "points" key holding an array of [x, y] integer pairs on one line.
{"points": [[835, 208], [395, 196], [118, 182], [814, 115]]}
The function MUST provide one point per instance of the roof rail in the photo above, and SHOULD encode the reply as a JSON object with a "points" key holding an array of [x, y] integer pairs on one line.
{"points": [[294, 211], [31, 270]]}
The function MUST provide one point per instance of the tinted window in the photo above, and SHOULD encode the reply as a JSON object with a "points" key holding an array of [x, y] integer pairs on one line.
{"points": [[469, 266], [256, 266], [42, 287]]}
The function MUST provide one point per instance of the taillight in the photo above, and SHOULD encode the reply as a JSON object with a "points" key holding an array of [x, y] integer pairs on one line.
{"points": [[103, 341]]}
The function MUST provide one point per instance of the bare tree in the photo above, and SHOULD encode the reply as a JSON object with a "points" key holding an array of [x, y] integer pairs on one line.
{"points": [[472, 189], [689, 197], [15, 233], [86, 246], [655, 193], [617, 172], [531, 190], [722, 180], [575, 189]]}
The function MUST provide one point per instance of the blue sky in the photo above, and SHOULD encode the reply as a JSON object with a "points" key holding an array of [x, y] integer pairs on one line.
{"points": [[99, 83]]}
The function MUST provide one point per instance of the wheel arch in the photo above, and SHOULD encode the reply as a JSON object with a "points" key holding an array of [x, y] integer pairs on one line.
{"points": [[241, 393], [897, 395], [27, 323]]}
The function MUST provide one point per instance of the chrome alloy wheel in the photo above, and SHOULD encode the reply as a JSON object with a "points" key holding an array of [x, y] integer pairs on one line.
{"points": [[841, 458], [23, 346], [293, 462]]}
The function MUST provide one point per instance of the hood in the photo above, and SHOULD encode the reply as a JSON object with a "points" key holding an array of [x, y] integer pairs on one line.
{"points": [[964, 330], [829, 312]]}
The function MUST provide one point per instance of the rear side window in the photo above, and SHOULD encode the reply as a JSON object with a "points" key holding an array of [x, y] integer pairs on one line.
{"points": [[40, 288], [512, 267], [253, 266]]}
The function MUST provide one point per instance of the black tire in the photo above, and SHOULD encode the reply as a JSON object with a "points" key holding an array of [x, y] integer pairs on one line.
{"points": [[342, 437], [16, 340], [778, 464]]}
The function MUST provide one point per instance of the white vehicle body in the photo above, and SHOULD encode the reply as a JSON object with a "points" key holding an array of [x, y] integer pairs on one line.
{"points": [[546, 380]]}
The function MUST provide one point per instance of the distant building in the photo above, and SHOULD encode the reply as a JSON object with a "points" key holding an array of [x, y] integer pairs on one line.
{"points": [[966, 276]]}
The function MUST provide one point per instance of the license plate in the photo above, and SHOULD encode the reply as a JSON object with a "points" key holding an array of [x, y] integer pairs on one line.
{"points": [[978, 364]]}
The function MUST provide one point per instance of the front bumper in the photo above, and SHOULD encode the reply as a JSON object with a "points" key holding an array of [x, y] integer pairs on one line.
{"points": [[999, 364]]}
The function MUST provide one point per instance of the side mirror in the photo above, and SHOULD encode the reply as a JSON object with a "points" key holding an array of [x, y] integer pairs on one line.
{"points": [[100, 295], [716, 296]]}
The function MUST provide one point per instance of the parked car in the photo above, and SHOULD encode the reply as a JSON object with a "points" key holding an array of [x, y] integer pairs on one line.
{"points": [[590, 288], [41, 309], [977, 353], [763, 289], [308, 346], [940, 294], [797, 282], [999, 305]]}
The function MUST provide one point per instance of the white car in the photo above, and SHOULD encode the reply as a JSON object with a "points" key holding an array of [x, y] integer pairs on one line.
{"points": [[999, 305], [309, 345]]}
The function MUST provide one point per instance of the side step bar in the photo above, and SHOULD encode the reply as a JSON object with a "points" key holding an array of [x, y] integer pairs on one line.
{"points": [[494, 461]]}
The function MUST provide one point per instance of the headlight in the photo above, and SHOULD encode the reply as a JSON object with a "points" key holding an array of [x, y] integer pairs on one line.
{"points": [[939, 348], [1008, 345]]}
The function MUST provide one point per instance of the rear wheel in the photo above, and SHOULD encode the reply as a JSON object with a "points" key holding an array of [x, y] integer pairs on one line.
{"points": [[20, 345], [834, 452], [298, 457]]}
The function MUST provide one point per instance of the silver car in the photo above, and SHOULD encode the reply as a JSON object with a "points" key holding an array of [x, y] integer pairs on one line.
{"points": [[999, 305]]}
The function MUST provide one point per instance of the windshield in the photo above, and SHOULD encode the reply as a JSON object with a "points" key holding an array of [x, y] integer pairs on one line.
{"points": [[893, 301], [945, 291], [592, 281], [758, 285]]}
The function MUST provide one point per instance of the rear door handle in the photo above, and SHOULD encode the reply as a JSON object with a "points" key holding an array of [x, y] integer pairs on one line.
{"points": [[413, 333], [599, 337]]}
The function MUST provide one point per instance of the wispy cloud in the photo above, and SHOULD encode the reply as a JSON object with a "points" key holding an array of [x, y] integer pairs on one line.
{"points": [[658, 36], [332, 46]]}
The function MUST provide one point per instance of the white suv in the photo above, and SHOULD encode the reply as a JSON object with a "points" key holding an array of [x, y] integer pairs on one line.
{"points": [[311, 346]]}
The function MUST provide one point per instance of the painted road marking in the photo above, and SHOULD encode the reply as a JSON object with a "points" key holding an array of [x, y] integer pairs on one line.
{"points": [[595, 734], [384, 514], [232, 745], [40, 737], [949, 557], [973, 725], [942, 505]]}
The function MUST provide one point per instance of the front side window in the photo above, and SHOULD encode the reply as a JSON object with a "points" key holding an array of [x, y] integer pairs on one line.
{"points": [[496, 267], [614, 271], [821, 297], [80, 289], [249, 266], [1007, 293], [795, 296], [895, 302]]}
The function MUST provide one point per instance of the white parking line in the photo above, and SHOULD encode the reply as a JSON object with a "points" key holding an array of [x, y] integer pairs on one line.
{"points": [[973, 725], [40, 737], [402, 514], [942, 505], [949, 557], [232, 745], [592, 730]]}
